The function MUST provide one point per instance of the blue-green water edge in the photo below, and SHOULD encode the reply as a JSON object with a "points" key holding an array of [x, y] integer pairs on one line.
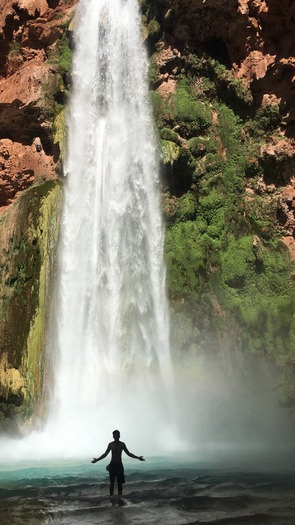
{"points": [[160, 490]]}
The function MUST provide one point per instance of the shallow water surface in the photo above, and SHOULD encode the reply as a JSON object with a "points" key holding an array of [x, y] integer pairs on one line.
{"points": [[156, 492]]}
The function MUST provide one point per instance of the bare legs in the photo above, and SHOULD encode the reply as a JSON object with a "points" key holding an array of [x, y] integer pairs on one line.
{"points": [[120, 489]]}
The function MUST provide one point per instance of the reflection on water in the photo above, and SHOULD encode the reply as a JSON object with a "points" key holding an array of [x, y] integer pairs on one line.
{"points": [[156, 492]]}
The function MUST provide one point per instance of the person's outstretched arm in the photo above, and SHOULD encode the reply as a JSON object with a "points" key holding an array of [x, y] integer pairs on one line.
{"points": [[102, 456], [141, 458]]}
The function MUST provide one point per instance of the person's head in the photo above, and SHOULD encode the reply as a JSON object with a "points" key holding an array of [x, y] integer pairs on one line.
{"points": [[116, 435]]}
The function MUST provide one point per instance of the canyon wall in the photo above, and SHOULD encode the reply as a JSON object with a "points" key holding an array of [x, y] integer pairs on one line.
{"points": [[222, 86], [32, 131]]}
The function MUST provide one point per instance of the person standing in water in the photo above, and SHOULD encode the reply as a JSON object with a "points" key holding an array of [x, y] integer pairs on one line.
{"points": [[116, 469]]}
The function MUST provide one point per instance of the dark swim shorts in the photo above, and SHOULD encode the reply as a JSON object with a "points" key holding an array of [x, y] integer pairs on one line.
{"points": [[116, 470]]}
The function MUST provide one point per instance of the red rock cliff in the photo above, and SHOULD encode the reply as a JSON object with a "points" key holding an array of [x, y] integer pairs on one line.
{"points": [[29, 31], [256, 37]]}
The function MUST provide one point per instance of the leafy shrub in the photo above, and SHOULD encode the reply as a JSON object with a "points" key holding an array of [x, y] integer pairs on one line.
{"points": [[211, 208], [183, 108], [238, 262], [153, 27], [257, 293], [169, 134], [268, 117], [170, 151], [184, 258], [229, 127], [152, 72], [62, 56], [261, 215], [199, 146], [187, 207], [158, 108]]}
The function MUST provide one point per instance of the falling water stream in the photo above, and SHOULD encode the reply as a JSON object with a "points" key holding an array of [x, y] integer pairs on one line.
{"points": [[110, 332], [108, 340]]}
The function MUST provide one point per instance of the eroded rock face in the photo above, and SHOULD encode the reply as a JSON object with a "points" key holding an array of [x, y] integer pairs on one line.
{"points": [[255, 40], [21, 166], [255, 37], [28, 239], [29, 32], [30, 197]]}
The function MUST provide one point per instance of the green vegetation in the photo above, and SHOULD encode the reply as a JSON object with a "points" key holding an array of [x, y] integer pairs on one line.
{"points": [[56, 92], [226, 267], [63, 56], [185, 258], [27, 262], [257, 292], [14, 48], [182, 109]]}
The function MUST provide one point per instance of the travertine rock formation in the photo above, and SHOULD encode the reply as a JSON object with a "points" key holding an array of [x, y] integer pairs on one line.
{"points": [[255, 37], [29, 32], [256, 40]]}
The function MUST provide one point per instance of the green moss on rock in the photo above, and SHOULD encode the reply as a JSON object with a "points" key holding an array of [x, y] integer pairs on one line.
{"points": [[170, 135], [170, 151], [27, 258], [226, 269], [184, 109], [60, 132]]}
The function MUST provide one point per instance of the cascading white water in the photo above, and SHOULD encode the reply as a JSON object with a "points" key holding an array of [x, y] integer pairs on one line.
{"points": [[110, 334]]}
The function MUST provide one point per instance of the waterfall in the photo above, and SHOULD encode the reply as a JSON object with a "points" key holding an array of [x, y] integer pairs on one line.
{"points": [[108, 342], [109, 339]]}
